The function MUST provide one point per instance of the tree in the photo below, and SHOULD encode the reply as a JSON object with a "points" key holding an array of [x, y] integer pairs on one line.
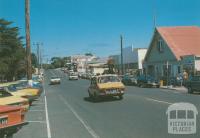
{"points": [[12, 52], [34, 60], [88, 54]]}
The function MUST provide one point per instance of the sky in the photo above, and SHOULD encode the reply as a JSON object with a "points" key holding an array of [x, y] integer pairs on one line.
{"points": [[67, 27]]}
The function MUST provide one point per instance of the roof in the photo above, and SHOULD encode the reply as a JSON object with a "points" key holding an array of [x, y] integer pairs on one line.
{"points": [[182, 106], [182, 40]]}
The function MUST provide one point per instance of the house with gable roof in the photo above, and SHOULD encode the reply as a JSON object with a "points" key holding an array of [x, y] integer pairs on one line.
{"points": [[172, 50]]}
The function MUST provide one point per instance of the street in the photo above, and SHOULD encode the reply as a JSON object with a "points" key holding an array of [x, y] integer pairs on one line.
{"points": [[65, 111]]}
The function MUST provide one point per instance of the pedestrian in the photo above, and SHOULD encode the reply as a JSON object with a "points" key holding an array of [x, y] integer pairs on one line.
{"points": [[185, 77]]}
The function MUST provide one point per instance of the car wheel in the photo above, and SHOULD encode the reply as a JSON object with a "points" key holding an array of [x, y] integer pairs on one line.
{"points": [[90, 95], [120, 97], [142, 85], [190, 90], [95, 97], [8, 136]]}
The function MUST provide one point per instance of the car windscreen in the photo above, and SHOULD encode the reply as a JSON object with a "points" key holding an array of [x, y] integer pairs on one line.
{"points": [[21, 85], [106, 79], [73, 74], [12, 88], [54, 77]]}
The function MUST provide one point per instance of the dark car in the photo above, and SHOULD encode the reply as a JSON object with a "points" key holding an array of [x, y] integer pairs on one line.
{"points": [[147, 81], [129, 80], [193, 84]]}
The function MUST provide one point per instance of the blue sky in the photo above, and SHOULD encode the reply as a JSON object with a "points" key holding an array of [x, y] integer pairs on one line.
{"points": [[69, 27]]}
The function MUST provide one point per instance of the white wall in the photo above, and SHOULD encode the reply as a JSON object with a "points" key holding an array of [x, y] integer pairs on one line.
{"points": [[197, 65], [98, 70], [141, 56]]}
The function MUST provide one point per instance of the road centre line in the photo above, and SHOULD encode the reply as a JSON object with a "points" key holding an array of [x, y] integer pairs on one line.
{"points": [[47, 116], [87, 127], [151, 99]]}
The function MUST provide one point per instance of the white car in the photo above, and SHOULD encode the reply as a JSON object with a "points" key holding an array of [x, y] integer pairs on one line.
{"points": [[55, 80], [73, 76]]}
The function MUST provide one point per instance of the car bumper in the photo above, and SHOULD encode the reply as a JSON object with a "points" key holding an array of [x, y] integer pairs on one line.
{"points": [[111, 94], [153, 84], [55, 82], [11, 129], [73, 78]]}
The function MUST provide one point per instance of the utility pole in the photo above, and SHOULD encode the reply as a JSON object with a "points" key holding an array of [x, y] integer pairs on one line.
{"points": [[122, 66], [41, 56], [38, 57], [28, 46], [167, 73]]}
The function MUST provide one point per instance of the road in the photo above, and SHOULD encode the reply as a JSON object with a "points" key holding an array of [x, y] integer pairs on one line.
{"points": [[67, 112]]}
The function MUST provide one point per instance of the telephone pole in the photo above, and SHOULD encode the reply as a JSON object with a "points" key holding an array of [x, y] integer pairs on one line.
{"points": [[28, 46], [122, 66], [38, 57]]}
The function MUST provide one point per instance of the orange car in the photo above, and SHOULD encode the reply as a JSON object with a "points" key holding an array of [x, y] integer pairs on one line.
{"points": [[11, 120]]}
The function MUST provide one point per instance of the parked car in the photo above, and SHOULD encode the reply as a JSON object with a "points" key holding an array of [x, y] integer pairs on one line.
{"points": [[11, 120], [129, 80], [73, 76], [84, 76], [106, 85], [193, 84], [147, 81], [55, 80], [30, 93], [7, 98]]}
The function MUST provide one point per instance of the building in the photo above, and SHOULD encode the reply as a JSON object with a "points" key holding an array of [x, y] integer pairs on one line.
{"points": [[81, 61], [172, 50], [97, 65], [132, 59]]}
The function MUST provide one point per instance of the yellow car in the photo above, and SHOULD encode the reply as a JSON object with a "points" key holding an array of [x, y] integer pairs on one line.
{"points": [[20, 89], [106, 85], [8, 83], [30, 93], [8, 99]]}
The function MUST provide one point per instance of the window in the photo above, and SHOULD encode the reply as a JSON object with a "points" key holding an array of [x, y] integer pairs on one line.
{"points": [[181, 114], [173, 114], [196, 78], [160, 46], [179, 69], [190, 114]]}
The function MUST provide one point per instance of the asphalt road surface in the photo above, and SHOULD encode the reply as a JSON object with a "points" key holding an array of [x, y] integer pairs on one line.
{"points": [[65, 111]]}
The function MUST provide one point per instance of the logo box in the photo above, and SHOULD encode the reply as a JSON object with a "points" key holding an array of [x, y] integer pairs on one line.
{"points": [[182, 118]]}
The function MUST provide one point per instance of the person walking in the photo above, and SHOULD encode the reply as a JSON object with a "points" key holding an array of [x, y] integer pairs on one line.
{"points": [[185, 77]]}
